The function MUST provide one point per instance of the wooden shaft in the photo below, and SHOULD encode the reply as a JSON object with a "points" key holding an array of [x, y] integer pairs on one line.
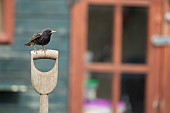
{"points": [[43, 103]]}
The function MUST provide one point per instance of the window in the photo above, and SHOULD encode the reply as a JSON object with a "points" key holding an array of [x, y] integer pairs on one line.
{"points": [[6, 21], [114, 67]]}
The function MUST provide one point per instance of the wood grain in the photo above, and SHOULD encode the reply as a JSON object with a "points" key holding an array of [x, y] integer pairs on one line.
{"points": [[48, 54], [43, 103]]}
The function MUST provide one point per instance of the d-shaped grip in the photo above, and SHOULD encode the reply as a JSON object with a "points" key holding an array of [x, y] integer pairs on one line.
{"points": [[47, 54], [44, 82]]}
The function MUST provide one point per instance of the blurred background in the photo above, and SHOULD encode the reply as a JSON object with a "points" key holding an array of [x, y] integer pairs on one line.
{"points": [[20, 19], [113, 55]]}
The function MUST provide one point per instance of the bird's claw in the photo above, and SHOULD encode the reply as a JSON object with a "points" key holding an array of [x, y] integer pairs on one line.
{"points": [[44, 50], [35, 51]]}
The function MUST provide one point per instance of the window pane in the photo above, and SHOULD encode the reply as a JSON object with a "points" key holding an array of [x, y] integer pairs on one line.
{"points": [[133, 92], [100, 34], [98, 93], [134, 35]]}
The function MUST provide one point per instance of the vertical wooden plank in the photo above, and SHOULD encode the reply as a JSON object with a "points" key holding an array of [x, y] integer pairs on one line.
{"points": [[8, 19], [117, 38], [154, 59], [116, 91], [83, 15], [117, 56], [78, 51], [73, 61], [166, 82], [1, 13], [166, 63]]}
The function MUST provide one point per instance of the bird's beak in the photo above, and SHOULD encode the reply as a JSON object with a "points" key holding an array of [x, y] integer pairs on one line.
{"points": [[53, 31]]}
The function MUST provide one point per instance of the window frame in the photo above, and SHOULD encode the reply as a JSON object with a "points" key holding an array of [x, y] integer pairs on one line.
{"points": [[78, 48], [6, 36]]}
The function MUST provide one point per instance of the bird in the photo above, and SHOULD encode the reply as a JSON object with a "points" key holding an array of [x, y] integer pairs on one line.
{"points": [[40, 38]]}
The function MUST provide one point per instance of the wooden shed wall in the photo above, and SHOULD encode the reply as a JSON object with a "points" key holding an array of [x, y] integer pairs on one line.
{"points": [[32, 16]]}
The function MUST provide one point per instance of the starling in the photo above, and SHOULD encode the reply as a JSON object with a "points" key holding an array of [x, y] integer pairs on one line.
{"points": [[40, 38]]}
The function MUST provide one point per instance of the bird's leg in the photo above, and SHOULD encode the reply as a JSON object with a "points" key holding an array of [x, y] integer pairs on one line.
{"points": [[44, 49], [35, 50]]}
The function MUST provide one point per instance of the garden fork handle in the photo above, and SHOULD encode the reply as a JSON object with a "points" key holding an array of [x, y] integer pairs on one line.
{"points": [[44, 82]]}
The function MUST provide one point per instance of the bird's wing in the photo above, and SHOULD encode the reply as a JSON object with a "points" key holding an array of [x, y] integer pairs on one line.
{"points": [[35, 36]]}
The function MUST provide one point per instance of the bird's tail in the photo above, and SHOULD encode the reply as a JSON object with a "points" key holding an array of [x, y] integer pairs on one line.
{"points": [[28, 44]]}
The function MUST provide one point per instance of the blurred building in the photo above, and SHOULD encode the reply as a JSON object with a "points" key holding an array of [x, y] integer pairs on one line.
{"points": [[120, 56], [113, 55]]}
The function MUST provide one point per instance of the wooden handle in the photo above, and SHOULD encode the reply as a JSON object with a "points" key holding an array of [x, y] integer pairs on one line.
{"points": [[44, 82], [47, 54], [43, 103]]}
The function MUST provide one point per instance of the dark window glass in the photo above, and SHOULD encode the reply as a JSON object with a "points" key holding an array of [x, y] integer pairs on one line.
{"points": [[100, 36], [134, 35], [133, 92]]}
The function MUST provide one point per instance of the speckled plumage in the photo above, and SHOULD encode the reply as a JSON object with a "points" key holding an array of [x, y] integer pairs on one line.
{"points": [[40, 38]]}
